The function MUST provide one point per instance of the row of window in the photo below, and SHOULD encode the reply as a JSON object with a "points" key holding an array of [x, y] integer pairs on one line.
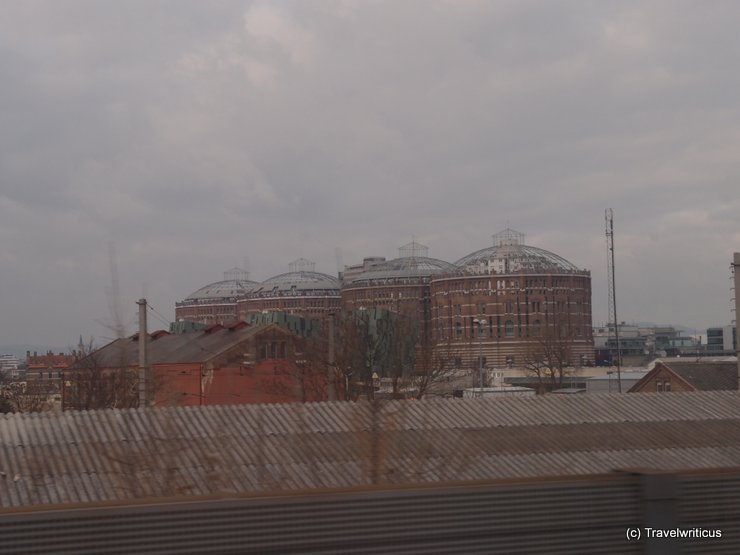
{"points": [[481, 361], [509, 329], [510, 306]]}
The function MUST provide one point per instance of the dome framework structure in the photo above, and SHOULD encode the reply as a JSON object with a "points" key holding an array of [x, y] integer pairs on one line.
{"points": [[509, 254], [215, 303], [302, 291]]}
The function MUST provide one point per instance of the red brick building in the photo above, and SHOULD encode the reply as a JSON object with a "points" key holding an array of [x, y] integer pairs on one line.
{"points": [[692, 375], [401, 285], [500, 302], [215, 303], [507, 298], [220, 365], [44, 372]]}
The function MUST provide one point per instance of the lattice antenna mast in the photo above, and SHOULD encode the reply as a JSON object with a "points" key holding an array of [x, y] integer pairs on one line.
{"points": [[609, 219]]}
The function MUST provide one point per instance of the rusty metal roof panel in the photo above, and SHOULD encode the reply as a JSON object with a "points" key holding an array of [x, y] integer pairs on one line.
{"points": [[124, 454]]}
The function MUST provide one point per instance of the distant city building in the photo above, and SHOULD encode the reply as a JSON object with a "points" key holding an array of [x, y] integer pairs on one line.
{"points": [[639, 345], [9, 366], [633, 345], [722, 339], [48, 367]]}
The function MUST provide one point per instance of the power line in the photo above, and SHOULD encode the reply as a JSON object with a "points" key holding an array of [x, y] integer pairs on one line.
{"points": [[159, 316]]}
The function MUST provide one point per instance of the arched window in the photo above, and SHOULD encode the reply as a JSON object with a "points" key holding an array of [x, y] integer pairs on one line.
{"points": [[509, 328], [536, 326]]}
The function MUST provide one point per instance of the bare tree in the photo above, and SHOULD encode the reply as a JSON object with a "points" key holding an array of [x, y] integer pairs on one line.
{"points": [[401, 337], [549, 353], [92, 384], [305, 376], [26, 396], [5, 405], [435, 365]]}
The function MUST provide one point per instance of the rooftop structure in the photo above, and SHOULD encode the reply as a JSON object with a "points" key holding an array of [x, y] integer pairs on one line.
{"points": [[218, 365], [689, 375], [412, 264], [295, 282], [301, 291], [236, 282], [509, 255], [215, 302]]}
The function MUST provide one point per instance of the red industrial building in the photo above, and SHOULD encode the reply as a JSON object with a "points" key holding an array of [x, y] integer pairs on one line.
{"points": [[220, 365]]}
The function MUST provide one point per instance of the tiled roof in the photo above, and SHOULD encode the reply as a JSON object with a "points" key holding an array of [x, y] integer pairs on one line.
{"points": [[707, 376], [193, 347], [50, 360], [117, 455]]}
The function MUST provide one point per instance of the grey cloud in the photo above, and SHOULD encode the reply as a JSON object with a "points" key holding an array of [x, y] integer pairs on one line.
{"points": [[194, 135]]}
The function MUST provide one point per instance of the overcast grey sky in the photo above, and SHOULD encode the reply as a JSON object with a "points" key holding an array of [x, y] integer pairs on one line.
{"points": [[194, 134]]}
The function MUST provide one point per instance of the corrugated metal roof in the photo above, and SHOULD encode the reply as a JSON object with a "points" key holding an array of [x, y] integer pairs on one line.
{"points": [[114, 455]]}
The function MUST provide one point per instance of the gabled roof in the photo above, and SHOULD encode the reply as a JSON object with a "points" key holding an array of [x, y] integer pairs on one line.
{"points": [[118, 455], [195, 347], [698, 375]]}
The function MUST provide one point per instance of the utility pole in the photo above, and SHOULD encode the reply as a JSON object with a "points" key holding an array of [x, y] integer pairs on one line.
{"points": [[331, 364], [736, 272], [609, 218], [144, 382], [480, 323]]}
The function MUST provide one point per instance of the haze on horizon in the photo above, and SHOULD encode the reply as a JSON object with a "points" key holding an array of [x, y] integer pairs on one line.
{"points": [[194, 135]]}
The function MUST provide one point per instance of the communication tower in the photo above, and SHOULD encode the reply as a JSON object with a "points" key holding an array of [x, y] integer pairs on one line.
{"points": [[609, 218]]}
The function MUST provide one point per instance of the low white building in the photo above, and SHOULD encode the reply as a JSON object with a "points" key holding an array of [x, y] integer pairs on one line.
{"points": [[498, 391], [609, 383]]}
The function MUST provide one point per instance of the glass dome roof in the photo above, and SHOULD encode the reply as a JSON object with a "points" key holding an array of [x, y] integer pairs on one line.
{"points": [[401, 268], [236, 283], [302, 279], [412, 264], [509, 254]]}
